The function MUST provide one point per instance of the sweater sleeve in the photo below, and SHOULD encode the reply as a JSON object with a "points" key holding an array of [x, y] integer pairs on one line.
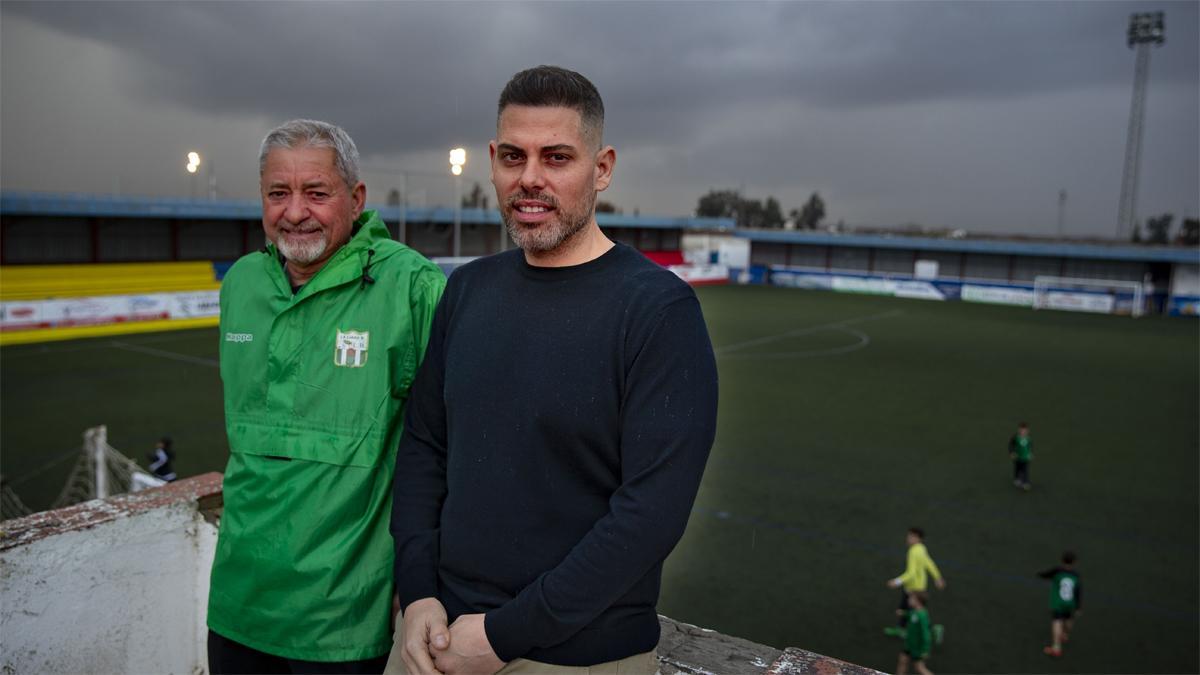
{"points": [[419, 487], [668, 422]]}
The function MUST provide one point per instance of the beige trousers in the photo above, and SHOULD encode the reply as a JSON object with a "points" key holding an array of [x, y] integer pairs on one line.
{"points": [[638, 664]]}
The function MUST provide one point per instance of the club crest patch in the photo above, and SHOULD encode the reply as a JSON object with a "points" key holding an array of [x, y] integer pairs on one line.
{"points": [[350, 349]]}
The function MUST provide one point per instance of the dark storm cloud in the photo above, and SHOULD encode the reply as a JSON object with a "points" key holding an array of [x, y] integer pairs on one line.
{"points": [[936, 112], [409, 74]]}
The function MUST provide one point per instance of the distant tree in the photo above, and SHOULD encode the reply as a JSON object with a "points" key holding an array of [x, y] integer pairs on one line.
{"points": [[719, 204], [772, 214], [810, 215], [752, 214], [1189, 232], [477, 199], [746, 212], [1158, 230], [1137, 234], [606, 207]]}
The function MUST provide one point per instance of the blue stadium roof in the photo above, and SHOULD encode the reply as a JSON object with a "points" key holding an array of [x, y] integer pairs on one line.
{"points": [[117, 206], [1174, 254]]}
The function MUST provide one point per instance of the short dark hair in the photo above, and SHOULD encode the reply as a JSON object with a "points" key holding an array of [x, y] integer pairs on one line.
{"points": [[1068, 557], [1023, 425], [554, 86], [918, 531]]}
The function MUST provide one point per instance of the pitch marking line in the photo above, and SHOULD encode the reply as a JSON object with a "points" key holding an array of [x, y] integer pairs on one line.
{"points": [[863, 341], [198, 360], [54, 348], [836, 325]]}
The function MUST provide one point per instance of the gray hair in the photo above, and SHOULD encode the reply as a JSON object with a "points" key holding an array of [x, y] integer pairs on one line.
{"points": [[314, 134]]}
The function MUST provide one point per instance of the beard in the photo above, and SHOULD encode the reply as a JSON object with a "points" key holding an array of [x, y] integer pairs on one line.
{"points": [[551, 235], [302, 252]]}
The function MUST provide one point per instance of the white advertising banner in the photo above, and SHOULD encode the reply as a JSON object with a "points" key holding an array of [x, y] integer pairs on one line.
{"points": [[105, 309], [1079, 302], [701, 274], [998, 295], [900, 288]]}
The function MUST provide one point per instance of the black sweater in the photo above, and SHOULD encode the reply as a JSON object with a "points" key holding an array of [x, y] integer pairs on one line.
{"points": [[553, 446]]}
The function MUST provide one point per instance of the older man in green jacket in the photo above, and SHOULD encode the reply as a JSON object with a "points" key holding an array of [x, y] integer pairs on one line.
{"points": [[321, 334]]}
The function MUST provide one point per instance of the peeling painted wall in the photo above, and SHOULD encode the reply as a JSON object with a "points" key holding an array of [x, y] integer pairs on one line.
{"points": [[114, 596], [121, 586]]}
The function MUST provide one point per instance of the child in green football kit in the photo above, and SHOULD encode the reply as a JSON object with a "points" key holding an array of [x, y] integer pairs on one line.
{"points": [[1066, 602], [917, 637], [1020, 449]]}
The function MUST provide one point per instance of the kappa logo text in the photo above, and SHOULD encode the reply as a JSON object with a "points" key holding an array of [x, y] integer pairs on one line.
{"points": [[239, 337]]}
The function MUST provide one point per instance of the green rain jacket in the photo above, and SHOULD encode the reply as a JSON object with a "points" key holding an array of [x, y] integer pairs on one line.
{"points": [[315, 386]]}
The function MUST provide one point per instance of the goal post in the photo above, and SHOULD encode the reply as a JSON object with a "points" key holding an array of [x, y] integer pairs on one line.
{"points": [[1104, 296]]}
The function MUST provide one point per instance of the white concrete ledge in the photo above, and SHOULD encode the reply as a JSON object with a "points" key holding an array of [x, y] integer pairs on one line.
{"points": [[120, 585], [110, 586]]}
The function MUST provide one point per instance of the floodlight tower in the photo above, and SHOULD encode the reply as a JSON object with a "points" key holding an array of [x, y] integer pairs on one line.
{"points": [[458, 158], [1145, 29]]}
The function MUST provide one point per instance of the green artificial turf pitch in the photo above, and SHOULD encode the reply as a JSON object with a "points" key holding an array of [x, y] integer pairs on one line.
{"points": [[843, 420]]}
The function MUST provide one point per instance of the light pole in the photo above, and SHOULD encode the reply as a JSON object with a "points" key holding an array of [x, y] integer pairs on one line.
{"points": [[405, 193], [1144, 30], [458, 158], [1062, 211], [193, 165]]}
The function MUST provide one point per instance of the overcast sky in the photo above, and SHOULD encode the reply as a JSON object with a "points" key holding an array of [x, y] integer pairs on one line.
{"points": [[950, 114]]}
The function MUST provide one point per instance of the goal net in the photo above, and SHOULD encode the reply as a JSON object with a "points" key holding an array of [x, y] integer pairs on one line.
{"points": [[100, 470], [1104, 296]]}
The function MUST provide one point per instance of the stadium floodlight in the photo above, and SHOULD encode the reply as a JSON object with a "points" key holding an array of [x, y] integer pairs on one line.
{"points": [[458, 159], [1145, 29], [193, 166]]}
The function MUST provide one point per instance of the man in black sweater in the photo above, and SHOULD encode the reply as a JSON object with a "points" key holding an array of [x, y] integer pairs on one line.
{"points": [[558, 429]]}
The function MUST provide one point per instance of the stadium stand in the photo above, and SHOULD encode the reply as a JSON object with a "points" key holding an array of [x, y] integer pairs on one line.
{"points": [[60, 302], [41, 282]]}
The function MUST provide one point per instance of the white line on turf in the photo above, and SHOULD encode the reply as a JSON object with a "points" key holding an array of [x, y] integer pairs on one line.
{"points": [[165, 354], [721, 351], [863, 341], [51, 348]]}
